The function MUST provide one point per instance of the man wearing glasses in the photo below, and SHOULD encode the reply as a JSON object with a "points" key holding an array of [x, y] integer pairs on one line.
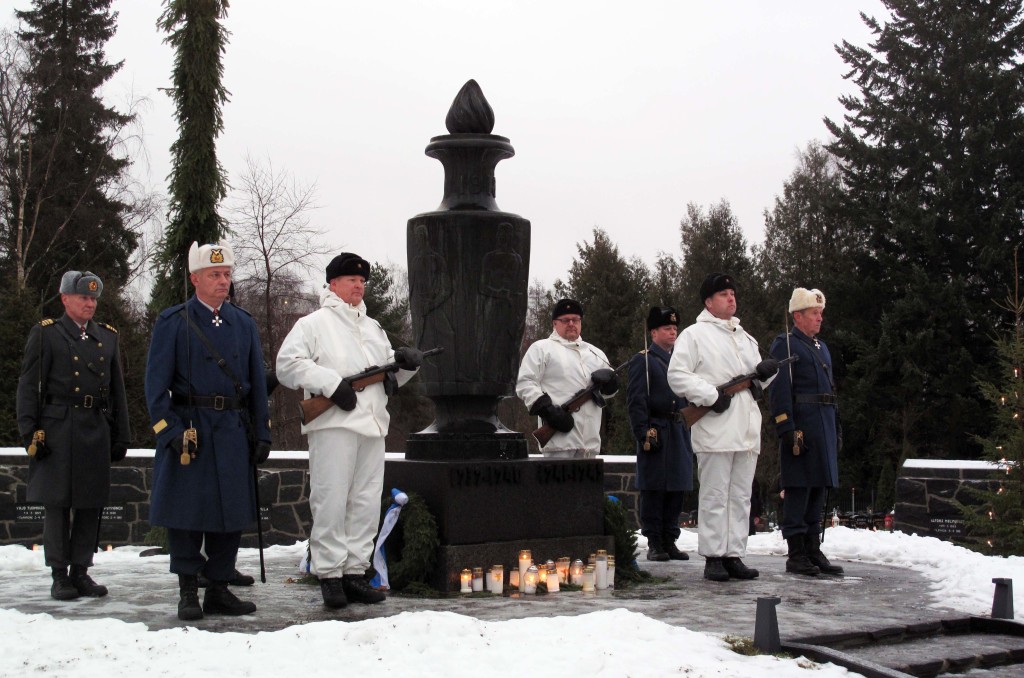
{"points": [[555, 369]]}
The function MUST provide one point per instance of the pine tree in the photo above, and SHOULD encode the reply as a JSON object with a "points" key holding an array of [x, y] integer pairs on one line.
{"points": [[69, 211], [198, 182], [931, 154]]}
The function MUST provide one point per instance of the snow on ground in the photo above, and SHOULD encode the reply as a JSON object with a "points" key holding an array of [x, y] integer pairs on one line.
{"points": [[607, 643]]}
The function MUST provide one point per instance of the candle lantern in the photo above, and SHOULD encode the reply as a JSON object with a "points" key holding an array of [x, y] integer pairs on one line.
{"points": [[552, 580], [466, 580], [542, 574], [588, 578], [478, 579], [530, 580], [576, 572], [601, 570], [496, 582], [525, 560], [611, 572], [513, 579], [563, 569]]}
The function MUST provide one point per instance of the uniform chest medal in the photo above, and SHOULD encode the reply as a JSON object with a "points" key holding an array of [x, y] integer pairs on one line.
{"points": [[217, 320]]}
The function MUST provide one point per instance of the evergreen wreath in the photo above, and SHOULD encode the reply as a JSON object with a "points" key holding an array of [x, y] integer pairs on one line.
{"points": [[411, 548]]}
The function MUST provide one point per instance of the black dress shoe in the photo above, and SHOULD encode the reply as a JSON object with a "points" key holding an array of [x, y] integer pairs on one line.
{"points": [[358, 590], [333, 592], [737, 570], [220, 600]]}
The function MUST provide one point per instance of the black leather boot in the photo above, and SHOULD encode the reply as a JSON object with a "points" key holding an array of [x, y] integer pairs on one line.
{"points": [[62, 588], [655, 551], [715, 570], [220, 600], [333, 592], [673, 551], [84, 584], [737, 570], [798, 562], [237, 579], [188, 603], [358, 590], [818, 558]]}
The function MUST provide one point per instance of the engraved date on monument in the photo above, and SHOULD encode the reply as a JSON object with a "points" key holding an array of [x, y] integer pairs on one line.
{"points": [[570, 473], [475, 475]]}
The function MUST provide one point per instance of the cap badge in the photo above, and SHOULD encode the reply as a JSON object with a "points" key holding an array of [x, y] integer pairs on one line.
{"points": [[216, 256], [93, 286]]}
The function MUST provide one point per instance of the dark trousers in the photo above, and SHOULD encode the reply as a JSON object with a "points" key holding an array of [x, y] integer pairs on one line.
{"points": [[69, 535], [659, 515], [801, 510], [187, 558]]}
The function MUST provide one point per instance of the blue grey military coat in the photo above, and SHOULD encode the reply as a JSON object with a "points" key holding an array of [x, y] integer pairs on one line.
{"points": [[817, 465], [214, 493], [670, 467]]}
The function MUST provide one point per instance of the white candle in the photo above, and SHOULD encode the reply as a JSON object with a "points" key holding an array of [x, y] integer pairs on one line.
{"points": [[525, 560], [513, 578], [601, 570], [530, 581], [588, 578], [496, 582], [552, 581], [478, 579], [466, 579]]}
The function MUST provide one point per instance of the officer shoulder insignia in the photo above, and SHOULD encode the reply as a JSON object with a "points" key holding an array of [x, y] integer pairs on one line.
{"points": [[644, 352], [109, 327], [46, 322]]}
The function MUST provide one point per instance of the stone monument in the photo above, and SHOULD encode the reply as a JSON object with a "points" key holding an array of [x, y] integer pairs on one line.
{"points": [[468, 274]]}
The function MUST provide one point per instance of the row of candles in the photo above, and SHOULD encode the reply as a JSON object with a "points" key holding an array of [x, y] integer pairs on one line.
{"points": [[597, 574]]}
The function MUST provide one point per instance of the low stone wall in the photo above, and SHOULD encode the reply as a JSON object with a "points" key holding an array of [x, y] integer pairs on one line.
{"points": [[284, 498], [927, 492]]}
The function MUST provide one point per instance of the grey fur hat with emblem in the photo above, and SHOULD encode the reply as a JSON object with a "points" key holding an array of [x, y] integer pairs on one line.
{"points": [[77, 282]]}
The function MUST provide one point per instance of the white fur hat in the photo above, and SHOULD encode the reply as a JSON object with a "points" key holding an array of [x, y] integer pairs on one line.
{"points": [[804, 298], [205, 256]]}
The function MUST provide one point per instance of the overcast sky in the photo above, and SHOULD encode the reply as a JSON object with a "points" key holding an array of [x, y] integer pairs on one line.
{"points": [[620, 114]]}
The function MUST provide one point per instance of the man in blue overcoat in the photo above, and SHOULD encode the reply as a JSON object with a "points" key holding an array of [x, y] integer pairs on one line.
{"points": [[664, 457], [805, 410], [207, 399]]}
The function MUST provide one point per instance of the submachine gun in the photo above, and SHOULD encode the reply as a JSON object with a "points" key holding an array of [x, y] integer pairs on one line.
{"points": [[693, 413], [573, 404], [311, 408]]}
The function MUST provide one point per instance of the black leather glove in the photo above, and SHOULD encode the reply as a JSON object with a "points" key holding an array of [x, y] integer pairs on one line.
{"points": [[788, 440], [261, 453], [272, 382], [41, 451], [606, 380], [118, 451], [722, 404], [553, 415], [409, 358], [767, 368], [390, 384], [344, 397]]}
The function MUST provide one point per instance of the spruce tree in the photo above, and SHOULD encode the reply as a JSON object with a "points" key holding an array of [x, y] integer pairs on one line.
{"points": [[198, 182], [73, 213], [930, 150]]}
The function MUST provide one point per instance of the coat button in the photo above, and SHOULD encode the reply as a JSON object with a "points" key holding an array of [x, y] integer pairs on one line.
{"points": [[77, 389], [76, 374], [101, 358], [75, 358], [99, 344]]}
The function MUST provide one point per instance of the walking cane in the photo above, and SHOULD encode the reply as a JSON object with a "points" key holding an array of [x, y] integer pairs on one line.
{"points": [[259, 522]]}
